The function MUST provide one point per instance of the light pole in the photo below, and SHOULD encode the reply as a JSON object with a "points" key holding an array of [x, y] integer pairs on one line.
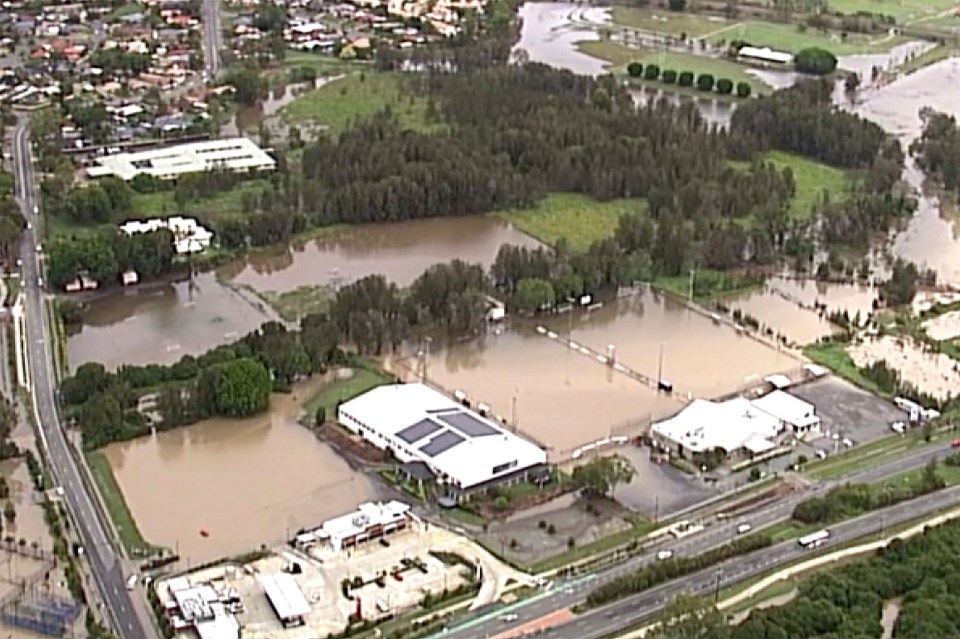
{"points": [[716, 590]]}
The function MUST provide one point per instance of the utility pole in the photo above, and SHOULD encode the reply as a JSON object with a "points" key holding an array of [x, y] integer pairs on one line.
{"points": [[716, 590], [656, 509]]}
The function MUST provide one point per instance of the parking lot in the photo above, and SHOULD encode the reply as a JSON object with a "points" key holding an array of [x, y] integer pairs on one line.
{"points": [[659, 490]]}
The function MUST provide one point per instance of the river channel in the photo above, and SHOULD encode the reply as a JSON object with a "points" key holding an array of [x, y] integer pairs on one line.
{"points": [[243, 482]]}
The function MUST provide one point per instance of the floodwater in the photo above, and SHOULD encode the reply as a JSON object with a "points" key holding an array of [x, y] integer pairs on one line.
{"points": [[245, 482], [788, 306], [930, 239], [401, 251], [863, 64], [693, 346], [248, 118], [551, 393], [161, 323], [714, 111], [551, 30]]}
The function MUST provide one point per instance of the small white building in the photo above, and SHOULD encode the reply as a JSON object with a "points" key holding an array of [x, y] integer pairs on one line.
{"points": [[167, 163], [794, 413], [370, 521], [189, 236]]}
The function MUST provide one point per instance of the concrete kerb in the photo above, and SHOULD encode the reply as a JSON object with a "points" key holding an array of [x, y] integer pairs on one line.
{"points": [[816, 562]]}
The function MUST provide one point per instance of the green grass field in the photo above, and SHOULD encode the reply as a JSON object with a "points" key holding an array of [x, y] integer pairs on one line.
{"points": [[116, 505], [324, 64], [162, 204], [902, 10], [619, 56], [811, 178], [345, 389], [835, 357], [788, 37], [668, 22], [357, 96], [579, 219]]}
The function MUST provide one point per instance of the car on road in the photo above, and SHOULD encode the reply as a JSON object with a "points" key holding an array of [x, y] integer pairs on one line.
{"points": [[743, 529], [898, 427], [663, 555], [955, 443], [821, 454], [847, 442], [509, 617]]}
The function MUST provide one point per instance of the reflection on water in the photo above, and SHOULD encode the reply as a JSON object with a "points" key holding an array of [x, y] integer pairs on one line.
{"points": [[928, 239], [245, 482], [161, 324], [401, 251], [693, 346], [565, 398], [714, 111]]}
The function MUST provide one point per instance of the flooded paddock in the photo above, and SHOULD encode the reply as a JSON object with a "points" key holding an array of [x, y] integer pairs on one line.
{"points": [[224, 477], [159, 324], [401, 251]]}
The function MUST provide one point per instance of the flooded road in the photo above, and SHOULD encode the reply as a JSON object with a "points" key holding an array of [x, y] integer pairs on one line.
{"points": [[160, 324], [224, 476], [401, 251]]}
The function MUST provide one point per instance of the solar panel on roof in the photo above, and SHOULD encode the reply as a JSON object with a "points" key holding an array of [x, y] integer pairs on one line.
{"points": [[468, 424], [441, 443], [418, 431]]}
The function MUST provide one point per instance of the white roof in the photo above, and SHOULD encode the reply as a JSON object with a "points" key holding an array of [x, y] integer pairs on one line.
{"points": [[285, 595], [367, 514], [788, 408], [235, 154], [778, 381], [222, 626], [729, 425], [422, 424], [766, 53]]}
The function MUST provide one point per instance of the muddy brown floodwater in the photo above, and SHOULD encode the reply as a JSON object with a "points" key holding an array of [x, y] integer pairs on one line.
{"points": [[400, 250], [160, 324], [565, 398], [245, 482]]}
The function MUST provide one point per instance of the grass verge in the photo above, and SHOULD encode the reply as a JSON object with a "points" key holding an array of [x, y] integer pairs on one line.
{"points": [[578, 219], [302, 301], [792, 39], [833, 355], [341, 390], [123, 521], [640, 529], [668, 22]]}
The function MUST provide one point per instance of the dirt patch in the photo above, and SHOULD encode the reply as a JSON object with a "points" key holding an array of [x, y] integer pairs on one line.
{"points": [[349, 446]]}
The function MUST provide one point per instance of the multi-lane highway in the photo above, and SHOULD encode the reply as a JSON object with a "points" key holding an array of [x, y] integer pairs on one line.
{"points": [[212, 37], [90, 524], [568, 593]]}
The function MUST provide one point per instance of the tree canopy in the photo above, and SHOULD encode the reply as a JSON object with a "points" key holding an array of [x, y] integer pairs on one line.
{"points": [[601, 475]]}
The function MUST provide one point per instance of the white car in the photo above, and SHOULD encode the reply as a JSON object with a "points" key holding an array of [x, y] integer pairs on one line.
{"points": [[898, 427], [509, 617], [847, 442], [743, 529], [663, 555]]}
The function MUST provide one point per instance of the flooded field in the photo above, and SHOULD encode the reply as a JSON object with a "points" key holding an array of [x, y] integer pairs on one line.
{"points": [[789, 306], [931, 238], [160, 324], [550, 32], [221, 476], [401, 251], [553, 392]]}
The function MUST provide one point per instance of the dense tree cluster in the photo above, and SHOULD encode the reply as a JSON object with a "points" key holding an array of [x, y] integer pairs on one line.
{"points": [[938, 148], [663, 571], [815, 61], [105, 254], [107, 200], [850, 500], [11, 221]]}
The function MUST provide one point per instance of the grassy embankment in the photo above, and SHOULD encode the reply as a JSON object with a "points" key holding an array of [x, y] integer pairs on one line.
{"points": [[342, 390], [112, 496], [834, 356], [904, 11]]}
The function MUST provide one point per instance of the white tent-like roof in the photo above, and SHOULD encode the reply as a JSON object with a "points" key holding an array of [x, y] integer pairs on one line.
{"points": [[729, 425]]}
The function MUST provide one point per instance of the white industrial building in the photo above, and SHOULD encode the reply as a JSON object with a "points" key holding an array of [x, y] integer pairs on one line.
{"points": [[202, 608], [167, 163], [736, 425], [189, 236], [285, 598], [462, 449]]}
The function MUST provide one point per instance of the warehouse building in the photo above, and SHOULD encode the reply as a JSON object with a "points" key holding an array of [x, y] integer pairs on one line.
{"points": [[170, 162], [462, 449]]}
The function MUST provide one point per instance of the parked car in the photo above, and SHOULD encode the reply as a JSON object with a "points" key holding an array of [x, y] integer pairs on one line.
{"points": [[743, 529]]}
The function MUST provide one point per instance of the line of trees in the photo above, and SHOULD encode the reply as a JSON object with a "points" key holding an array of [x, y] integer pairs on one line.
{"points": [[664, 571], [705, 82], [850, 500], [106, 253]]}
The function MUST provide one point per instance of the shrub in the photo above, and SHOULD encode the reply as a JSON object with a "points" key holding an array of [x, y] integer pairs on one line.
{"points": [[571, 542], [815, 61], [669, 76], [551, 530], [724, 86], [705, 82], [652, 72], [501, 503], [685, 79], [743, 90], [635, 69], [541, 524]]}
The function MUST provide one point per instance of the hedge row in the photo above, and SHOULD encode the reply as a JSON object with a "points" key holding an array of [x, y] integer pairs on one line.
{"points": [[703, 82]]}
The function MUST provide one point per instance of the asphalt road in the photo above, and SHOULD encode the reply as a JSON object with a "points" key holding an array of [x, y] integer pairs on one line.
{"points": [[104, 560], [567, 593], [212, 38]]}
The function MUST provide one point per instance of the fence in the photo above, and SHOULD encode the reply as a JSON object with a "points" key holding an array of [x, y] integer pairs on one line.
{"points": [[45, 614]]}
